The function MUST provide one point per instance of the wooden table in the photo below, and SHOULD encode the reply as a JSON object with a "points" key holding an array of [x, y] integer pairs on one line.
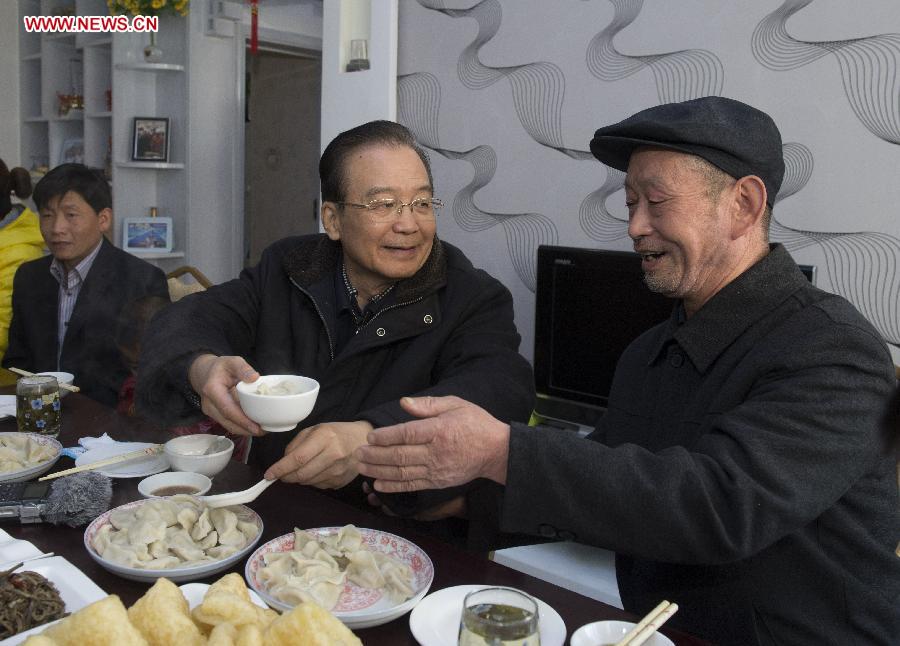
{"points": [[282, 507]]}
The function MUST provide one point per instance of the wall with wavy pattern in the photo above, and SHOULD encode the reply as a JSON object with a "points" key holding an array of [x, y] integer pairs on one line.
{"points": [[507, 93]]}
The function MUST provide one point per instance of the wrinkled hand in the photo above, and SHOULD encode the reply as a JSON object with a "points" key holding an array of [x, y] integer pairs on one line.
{"points": [[214, 379], [455, 507], [453, 444], [323, 455]]}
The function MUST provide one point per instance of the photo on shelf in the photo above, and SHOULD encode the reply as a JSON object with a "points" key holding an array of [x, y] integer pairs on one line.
{"points": [[72, 151], [147, 235], [151, 139]]}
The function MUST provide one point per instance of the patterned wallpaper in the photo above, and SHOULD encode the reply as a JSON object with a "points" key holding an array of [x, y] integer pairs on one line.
{"points": [[507, 93]]}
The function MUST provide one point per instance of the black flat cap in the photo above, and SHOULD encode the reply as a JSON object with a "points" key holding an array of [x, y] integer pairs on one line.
{"points": [[733, 136]]}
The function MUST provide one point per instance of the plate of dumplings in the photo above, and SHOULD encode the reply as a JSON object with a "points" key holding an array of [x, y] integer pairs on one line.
{"points": [[178, 537], [365, 577]]}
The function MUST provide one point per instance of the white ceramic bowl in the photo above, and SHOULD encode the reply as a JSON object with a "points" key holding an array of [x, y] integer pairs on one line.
{"points": [[192, 484], [188, 453], [610, 632], [61, 378], [278, 413], [176, 574]]}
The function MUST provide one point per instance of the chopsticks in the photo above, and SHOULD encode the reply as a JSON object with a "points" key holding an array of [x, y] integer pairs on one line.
{"points": [[123, 457], [649, 624], [25, 373]]}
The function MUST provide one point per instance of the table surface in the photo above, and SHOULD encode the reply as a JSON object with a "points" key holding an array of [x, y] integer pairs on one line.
{"points": [[282, 507]]}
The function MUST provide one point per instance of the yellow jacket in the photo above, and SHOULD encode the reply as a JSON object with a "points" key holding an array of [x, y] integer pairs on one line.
{"points": [[20, 241]]}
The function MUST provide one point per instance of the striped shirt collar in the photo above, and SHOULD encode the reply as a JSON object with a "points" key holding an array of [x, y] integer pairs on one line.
{"points": [[67, 280]]}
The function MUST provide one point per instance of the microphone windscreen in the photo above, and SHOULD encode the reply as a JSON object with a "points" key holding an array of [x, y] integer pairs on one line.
{"points": [[78, 499]]}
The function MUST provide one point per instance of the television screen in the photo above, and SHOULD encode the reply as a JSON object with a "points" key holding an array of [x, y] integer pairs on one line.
{"points": [[589, 305]]}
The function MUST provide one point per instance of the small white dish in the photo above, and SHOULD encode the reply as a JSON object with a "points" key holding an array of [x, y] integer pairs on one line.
{"points": [[61, 378], [35, 470], [171, 483], [199, 453], [132, 469], [175, 574], [435, 621], [611, 632], [75, 588], [357, 607], [278, 413]]}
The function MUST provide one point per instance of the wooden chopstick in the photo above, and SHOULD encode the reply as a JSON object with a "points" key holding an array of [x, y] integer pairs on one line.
{"points": [[649, 624], [25, 373], [123, 457]]}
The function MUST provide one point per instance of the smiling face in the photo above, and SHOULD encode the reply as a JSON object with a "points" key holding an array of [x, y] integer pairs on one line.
{"points": [[71, 228], [682, 226], [378, 254]]}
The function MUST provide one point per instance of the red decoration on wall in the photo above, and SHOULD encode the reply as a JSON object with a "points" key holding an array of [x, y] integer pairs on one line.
{"points": [[254, 26]]}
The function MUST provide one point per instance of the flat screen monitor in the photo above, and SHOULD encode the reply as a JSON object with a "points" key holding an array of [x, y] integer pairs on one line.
{"points": [[590, 304]]}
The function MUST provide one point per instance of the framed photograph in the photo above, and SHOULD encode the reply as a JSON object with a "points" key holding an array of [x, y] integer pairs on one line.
{"points": [[147, 235], [151, 139], [72, 151]]}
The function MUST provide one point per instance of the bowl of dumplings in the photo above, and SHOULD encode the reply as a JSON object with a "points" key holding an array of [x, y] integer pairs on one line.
{"points": [[177, 537], [364, 577], [25, 456], [278, 402]]}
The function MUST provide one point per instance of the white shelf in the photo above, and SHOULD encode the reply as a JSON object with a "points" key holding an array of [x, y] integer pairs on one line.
{"points": [[35, 119], [60, 36], [102, 41], [150, 67], [32, 57], [150, 165], [77, 116], [156, 255], [99, 115]]}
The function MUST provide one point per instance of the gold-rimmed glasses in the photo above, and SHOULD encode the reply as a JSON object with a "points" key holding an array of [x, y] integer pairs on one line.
{"points": [[388, 209]]}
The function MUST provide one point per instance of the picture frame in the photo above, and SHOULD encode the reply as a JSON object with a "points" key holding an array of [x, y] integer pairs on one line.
{"points": [[150, 139], [72, 151], [147, 235]]}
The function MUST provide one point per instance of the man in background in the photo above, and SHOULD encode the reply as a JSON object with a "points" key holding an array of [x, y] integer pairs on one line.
{"points": [[738, 470], [65, 305]]}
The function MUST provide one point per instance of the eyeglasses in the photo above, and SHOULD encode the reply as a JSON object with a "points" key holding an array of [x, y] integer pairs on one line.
{"points": [[388, 209]]}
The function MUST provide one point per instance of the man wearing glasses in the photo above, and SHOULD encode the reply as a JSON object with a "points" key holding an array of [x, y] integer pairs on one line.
{"points": [[374, 309]]}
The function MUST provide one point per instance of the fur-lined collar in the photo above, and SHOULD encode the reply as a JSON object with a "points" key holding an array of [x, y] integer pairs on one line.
{"points": [[318, 256]]}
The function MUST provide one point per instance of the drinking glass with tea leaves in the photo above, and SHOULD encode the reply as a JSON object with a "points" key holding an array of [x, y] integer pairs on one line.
{"points": [[499, 617]]}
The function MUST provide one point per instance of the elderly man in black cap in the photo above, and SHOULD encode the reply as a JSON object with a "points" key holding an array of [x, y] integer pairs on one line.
{"points": [[738, 470]]}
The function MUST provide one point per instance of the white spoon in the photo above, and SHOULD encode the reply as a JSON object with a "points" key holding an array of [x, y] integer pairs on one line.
{"points": [[237, 497]]}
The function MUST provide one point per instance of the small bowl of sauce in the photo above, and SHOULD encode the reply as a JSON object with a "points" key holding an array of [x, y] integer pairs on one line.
{"points": [[173, 483]]}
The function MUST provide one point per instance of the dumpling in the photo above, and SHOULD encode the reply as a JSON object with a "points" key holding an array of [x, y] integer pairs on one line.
{"points": [[121, 518], [363, 570], [158, 549], [186, 549], [187, 516], [222, 551], [223, 519], [211, 540], [398, 577], [144, 532], [348, 539], [121, 555], [162, 563], [248, 529], [101, 539], [202, 527]]}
